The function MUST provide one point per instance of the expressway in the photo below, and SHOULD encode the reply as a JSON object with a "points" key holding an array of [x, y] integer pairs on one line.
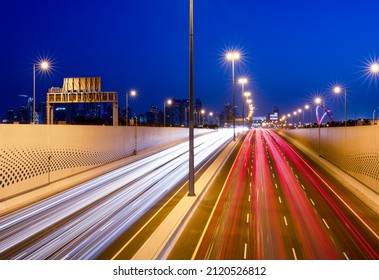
{"points": [[277, 205], [81, 222]]}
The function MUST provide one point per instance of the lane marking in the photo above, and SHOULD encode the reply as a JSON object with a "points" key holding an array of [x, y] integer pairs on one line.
{"points": [[280, 200], [294, 253], [296, 176], [345, 256], [273, 175], [247, 217], [285, 221], [339, 197], [276, 185], [248, 198], [325, 223], [245, 251], [312, 201], [303, 186]]}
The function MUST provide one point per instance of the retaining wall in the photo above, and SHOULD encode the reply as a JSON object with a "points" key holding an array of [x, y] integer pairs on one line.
{"points": [[354, 150], [34, 156]]}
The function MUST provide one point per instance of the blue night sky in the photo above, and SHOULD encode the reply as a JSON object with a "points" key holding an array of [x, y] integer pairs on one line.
{"points": [[291, 50]]}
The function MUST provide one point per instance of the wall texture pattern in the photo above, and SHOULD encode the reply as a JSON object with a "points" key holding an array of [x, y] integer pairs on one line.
{"points": [[32, 156], [355, 150]]}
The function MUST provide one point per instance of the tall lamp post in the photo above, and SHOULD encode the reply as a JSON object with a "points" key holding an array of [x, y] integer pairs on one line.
{"points": [[318, 102], [202, 112], [374, 69], [233, 56], [299, 111], [131, 93], [191, 159], [247, 95], [43, 65], [242, 82], [306, 107], [169, 102], [338, 90]]}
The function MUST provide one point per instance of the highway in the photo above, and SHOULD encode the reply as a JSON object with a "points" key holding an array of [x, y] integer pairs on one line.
{"points": [[277, 205], [81, 222]]}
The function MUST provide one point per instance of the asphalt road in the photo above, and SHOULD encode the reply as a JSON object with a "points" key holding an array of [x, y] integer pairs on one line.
{"points": [[277, 204]]}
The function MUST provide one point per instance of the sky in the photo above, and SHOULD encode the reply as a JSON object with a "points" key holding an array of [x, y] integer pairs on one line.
{"points": [[291, 51]]}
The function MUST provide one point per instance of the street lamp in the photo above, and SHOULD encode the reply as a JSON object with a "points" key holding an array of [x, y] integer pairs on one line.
{"points": [[299, 111], [43, 65], [169, 102], [374, 68], [338, 90], [318, 102], [131, 93], [247, 95], [191, 154], [242, 82], [202, 112], [306, 107], [233, 56]]}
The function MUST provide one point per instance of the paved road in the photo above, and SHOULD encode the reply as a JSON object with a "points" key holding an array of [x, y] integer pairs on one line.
{"points": [[81, 222], [276, 205]]}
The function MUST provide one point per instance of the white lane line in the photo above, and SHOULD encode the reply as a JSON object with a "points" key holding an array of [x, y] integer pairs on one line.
{"points": [[249, 198], [273, 175], [296, 176], [280, 200], [276, 185], [285, 220], [312, 201], [345, 256], [247, 218], [245, 251], [303, 186], [294, 253], [325, 223], [341, 199]]}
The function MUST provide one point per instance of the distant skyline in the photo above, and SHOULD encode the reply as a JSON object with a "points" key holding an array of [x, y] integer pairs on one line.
{"points": [[291, 51]]}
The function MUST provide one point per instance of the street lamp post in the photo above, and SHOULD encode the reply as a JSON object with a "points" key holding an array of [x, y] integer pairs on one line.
{"points": [[43, 65], [169, 102], [202, 112], [306, 107], [338, 90], [132, 93], [233, 56], [374, 69], [247, 95], [318, 101], [299, 111], [191, 159], [242, 82]]}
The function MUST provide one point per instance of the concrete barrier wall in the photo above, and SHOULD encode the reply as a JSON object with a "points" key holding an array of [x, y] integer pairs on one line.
{"points": [[355, 150], [32, 156]]}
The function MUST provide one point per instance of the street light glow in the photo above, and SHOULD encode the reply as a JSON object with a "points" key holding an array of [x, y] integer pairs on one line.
{"points": [[374, 68], [242, 81], [247, 94], [133, 93], [337, 89], [318, 100], [44, 65], [233, 55]]}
